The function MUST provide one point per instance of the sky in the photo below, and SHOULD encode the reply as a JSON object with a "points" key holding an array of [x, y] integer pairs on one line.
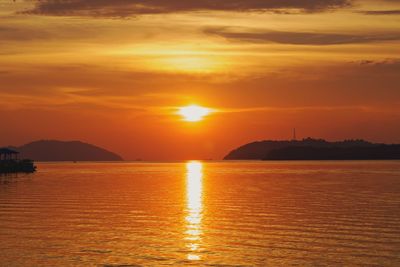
{"points": [[114, 73]]}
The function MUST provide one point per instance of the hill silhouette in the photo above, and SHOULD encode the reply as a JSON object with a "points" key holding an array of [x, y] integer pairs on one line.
{"points": [[52, 150], [314, 149]]}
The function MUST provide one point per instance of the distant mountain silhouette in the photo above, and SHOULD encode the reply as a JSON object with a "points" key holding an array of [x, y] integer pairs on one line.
{"points": [[51, 150], [314, 149]]}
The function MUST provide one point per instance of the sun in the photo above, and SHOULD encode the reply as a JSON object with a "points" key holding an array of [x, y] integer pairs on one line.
{"points": [[194, 113]]}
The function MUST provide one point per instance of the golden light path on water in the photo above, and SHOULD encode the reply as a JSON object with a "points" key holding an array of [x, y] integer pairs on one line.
{"points": [[194, 188]]}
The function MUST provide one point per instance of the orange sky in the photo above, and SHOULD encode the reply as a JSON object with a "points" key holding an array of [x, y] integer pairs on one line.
{"points": [[113, 73]]}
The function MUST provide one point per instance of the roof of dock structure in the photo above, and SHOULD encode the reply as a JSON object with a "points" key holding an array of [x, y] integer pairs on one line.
{"points": [[7, 151]]}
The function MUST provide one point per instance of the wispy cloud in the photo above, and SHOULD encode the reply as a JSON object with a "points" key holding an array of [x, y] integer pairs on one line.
{"points": [[22, 34], [381, 12], [299, 38]]}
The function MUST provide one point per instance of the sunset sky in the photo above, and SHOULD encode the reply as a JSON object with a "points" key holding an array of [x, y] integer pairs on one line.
{"points": [[115, 73]]}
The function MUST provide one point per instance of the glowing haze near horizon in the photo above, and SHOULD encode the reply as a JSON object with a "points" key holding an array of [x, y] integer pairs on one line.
{"points": [[115, 73]]}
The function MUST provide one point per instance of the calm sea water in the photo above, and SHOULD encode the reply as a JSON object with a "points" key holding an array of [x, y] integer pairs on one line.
{"points": [[202, 214]]}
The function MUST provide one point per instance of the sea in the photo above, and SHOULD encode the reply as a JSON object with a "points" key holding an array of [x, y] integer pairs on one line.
{"points": [[202, 213]]}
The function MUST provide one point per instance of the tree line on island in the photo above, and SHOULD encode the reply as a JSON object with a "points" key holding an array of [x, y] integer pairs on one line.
{"points": [[315, 149]]}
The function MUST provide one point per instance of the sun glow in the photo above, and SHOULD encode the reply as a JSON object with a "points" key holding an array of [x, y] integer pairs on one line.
{"points": [[194, 113]]}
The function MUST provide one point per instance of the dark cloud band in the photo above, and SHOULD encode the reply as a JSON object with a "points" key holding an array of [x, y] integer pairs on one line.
{"points": [[124, 8]]}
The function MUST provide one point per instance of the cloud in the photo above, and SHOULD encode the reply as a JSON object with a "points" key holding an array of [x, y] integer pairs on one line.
{"points": [[21, 34], [391, 65], [299, 38], [381, 12], [124, 8], [366, 82]]}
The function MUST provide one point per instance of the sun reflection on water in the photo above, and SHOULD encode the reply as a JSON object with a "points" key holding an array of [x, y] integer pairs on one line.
{"points": [[194, 180]]}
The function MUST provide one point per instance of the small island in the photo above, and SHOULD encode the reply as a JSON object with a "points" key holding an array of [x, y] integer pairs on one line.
{"points": [[10, 162], [55, 150], [315, 149]]}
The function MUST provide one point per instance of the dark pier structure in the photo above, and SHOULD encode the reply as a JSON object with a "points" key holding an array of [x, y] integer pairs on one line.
{"points": [[10, 163]]}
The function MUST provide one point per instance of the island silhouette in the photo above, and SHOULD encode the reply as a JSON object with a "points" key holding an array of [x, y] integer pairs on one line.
{"points": [[315, 149], [54, 150]]}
